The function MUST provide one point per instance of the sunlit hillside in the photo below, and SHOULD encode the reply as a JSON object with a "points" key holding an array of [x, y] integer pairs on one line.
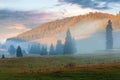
{"points": [[81, 27]]}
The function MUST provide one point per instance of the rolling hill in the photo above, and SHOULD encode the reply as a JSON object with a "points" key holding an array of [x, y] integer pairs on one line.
{"points": [[81, 27]]}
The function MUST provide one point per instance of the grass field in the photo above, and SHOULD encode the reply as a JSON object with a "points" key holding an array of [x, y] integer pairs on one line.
{"points": [[77, 67]]}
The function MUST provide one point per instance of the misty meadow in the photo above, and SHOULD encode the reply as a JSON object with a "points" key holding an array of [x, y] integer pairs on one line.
{"points": [[59, 40]]}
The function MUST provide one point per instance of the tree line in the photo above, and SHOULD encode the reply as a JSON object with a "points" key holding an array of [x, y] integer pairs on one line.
{"points": [[68, 47], [18, 52]]}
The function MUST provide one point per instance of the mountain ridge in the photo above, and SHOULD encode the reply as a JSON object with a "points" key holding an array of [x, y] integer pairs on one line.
{"points": [[57, 29]]}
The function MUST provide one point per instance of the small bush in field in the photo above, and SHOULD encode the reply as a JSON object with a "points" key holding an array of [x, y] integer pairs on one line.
{"points": [[70, 65]]}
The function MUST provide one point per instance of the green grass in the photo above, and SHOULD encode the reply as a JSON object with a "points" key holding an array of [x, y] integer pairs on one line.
{"points": [[23, 68], [74, 75]]}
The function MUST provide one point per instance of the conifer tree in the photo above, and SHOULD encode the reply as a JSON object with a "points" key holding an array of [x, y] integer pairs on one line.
{"points": [[12, 50], [52, 50], [19, 52], [59, 47], [109, 36], [69, 46], [44, 50]]}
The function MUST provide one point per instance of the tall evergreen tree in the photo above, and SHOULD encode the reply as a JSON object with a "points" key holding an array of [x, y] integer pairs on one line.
{"points": [[44, 50], [52, 50], [109, 36], [19, 52], [59, 47], [69, 46], [3, 56], [74, 50], [35, 49], [12, 50]]}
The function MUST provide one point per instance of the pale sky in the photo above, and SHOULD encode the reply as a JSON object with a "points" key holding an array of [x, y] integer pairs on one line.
{"points": [[17, 16]]}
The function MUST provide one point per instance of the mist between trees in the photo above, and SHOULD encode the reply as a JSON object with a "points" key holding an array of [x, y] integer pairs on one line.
{"points": [[34, 48], [69, 47]]}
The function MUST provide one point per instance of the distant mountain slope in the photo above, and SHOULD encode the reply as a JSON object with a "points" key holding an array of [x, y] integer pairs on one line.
{"points": [[81, 27]]}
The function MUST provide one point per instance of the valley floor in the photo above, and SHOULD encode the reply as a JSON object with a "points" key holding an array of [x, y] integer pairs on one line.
{"points": [[77, 67]]}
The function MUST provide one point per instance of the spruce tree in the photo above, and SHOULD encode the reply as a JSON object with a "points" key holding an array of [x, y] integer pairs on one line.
{"points": [[109, 36], [12, 50], [44, 50], [59, 47], [52, 50], [69, 46], [3, 56], [35, 49], [19, 52]]}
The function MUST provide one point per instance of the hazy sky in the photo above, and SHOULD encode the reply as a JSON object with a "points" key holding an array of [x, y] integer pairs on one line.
{"points": [[17, 16]]}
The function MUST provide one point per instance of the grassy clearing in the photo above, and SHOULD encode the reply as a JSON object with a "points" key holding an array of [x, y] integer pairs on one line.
{"points": [[78, 67], [73, 75]]}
